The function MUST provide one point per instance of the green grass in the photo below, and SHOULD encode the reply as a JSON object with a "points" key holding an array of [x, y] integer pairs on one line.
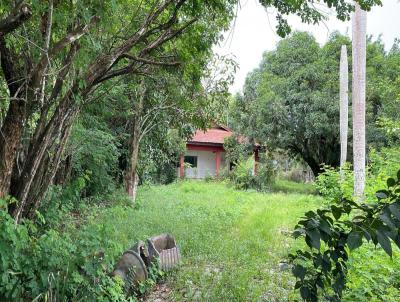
{"points": [[287, 186], [231, 241]]}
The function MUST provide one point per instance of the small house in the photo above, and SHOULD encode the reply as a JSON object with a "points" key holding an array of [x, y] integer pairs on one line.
{"points": [[205, 154]]}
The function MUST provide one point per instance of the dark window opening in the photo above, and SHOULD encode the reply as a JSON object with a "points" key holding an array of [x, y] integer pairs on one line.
{"points": [[192, 160]]}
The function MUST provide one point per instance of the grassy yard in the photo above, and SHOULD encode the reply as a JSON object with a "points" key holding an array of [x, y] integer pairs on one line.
{"points": [[287, 186], [232, 241]]}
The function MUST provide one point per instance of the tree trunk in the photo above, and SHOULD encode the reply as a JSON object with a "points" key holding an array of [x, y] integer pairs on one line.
{"points": [[47, 170], [344, 105], [12, 128], [49, 139], [131, 174], [314, 166], [359, 66], [9, 141], [131, 177], [41, 87]]}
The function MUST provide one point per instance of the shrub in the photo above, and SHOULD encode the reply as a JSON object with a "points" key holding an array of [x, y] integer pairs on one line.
{"points": [[372, 276], [333, 232], [95, 156], [66, 263], [265, 175], [244, 178], [242, 175], [333, 184]]}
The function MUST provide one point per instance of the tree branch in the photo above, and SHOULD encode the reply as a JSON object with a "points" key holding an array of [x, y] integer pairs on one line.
{"points": [[149, 61], [13, 79], [97, 72], [165, 37], [18, 15], [60, 45]]}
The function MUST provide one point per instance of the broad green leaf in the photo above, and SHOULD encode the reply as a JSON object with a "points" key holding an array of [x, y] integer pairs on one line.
{"points": [[354, 240], [325, 227], [385, 217], [336, 212], [384, 242], [381, 194], [395, 209], [391, 182], [305, 293], [314, 237], [299, 271]]}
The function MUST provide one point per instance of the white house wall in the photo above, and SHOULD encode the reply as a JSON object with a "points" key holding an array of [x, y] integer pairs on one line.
{"points": [[206, 165]]}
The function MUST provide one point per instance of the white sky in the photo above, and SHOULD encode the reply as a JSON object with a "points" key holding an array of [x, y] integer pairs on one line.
{"points": [[253, 32]]}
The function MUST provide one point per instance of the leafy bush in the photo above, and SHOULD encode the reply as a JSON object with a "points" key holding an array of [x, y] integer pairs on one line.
{"points": [[333, 184], [332, 232], [237, 150], [265, 175], [372, 276], [66, 263], [95, 156], [244, 178]]}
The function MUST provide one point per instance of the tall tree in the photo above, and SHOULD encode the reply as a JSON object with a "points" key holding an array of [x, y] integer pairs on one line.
{"points": [[55, 57], [288, 102], [291, 101], [167, 100], [344, 104], [358, 97]]}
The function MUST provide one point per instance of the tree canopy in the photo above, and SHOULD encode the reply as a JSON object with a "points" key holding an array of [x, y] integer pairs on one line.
{"points": [[291, 102]]}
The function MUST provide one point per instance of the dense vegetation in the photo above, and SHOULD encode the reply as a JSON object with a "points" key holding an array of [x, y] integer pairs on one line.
{"points": [[70, 260], [204, 217], [98, 97], [293, 98]]}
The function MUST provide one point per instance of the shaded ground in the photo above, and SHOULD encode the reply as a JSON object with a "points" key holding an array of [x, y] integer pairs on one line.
{"points": [[160, 293]]}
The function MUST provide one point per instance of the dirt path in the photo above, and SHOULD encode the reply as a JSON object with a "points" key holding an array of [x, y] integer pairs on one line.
{"points": [[160, 293]]}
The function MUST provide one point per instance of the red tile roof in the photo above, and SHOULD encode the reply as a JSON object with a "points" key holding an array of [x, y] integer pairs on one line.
{"points": [[214, 135]]}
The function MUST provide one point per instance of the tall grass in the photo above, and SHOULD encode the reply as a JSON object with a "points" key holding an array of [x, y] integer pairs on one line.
{"points": [[232, 241]]}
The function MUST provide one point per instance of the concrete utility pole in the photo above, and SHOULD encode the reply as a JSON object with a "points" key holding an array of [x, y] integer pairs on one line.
{"points": [[358, 97], [344, 105]]}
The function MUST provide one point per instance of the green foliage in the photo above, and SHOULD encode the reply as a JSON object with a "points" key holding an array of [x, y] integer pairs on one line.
{"points": [[236, 150], [65, 263], [159, 154], [243, 174], [309, 13], [244, 178], [332, 232], [94, 152], [265, 173], [293, 98], [372, 275], [333, 184]]}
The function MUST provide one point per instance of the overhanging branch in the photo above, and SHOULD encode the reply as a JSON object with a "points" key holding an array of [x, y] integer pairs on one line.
{"points": [[18, 15], [60, 45], [150, 61]]}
